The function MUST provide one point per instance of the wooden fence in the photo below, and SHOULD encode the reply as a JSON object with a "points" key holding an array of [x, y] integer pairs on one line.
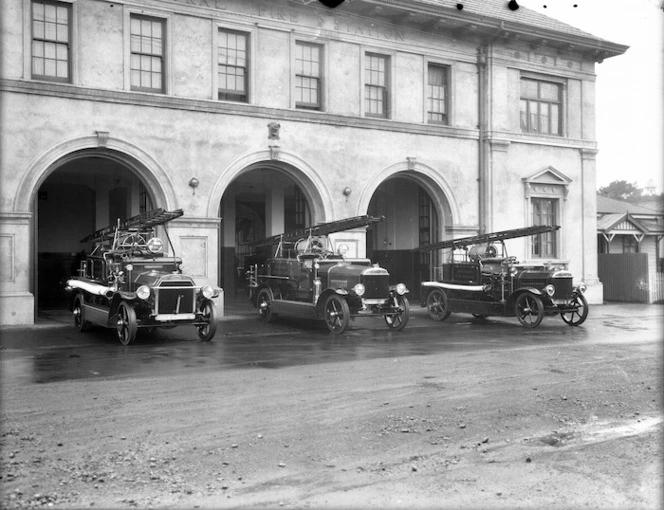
{"points": [[657, 288], [625, 277]]}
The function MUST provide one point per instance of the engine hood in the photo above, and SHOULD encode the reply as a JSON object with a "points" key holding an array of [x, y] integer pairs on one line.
{"points": [[347, 270], [154, 278]]}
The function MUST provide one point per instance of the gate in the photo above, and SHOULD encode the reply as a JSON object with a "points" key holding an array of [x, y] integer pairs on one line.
{"points": [[625, 276]]}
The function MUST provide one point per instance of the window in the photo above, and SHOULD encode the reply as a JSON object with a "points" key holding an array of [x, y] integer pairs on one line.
{"points": [[437, 94], [425, 209], [232, 68], [308, 76], [541, 107], [544, 213], [51, 40], [147, 54], [630, 244], [376, 84]]}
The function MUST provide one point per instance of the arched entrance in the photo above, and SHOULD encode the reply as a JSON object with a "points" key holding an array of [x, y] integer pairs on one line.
{"points": [[416, 212], [79, 194], [267, 198]]}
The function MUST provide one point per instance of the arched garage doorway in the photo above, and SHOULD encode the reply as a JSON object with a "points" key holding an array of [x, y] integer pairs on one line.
{"points": [[416, 211], [266, 199], [81, 193]]}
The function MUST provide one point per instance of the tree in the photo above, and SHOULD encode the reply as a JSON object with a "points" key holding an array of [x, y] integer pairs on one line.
{"points": [[621, 190]]}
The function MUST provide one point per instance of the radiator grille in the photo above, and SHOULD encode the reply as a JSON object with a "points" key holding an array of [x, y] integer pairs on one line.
{"points": [[376, 286], [168, 294]]}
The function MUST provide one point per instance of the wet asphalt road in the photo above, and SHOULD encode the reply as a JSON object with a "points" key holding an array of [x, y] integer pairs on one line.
{"points": [[53, 350]]}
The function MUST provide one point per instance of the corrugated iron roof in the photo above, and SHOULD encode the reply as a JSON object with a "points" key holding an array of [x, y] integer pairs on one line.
{"points": [[611, 205]]}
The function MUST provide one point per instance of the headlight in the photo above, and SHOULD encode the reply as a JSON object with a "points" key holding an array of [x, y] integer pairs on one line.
{"points": [[582, 288], [401, 289], [359, 289], [155, 245], [143, 292], [550, 290], [207, 291], [129, 267], [342, 249]]}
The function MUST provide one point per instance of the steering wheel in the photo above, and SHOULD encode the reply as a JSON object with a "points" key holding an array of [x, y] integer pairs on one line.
{"points": [[132, 240]]}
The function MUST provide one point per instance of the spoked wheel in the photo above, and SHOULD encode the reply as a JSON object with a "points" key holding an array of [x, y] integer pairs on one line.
{"points": [[437, 305], [398, 319], [578, 316], [337, 314], [126, 325], [529, 309], [79, 320], [264, 305], [209, 314]]}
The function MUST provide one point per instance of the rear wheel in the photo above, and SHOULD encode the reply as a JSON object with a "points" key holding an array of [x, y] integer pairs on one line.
{"points": [[529, 309], [127, 325], [79, 319], [578, 316], [437, 305], [398, 319], [264, 305], [337, 314], [209, 314]]}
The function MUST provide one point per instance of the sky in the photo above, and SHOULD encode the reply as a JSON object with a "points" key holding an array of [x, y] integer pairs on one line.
{"points": [[629, 87]]}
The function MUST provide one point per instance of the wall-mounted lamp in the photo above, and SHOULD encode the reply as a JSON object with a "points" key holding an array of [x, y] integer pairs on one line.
{"points": [[347, 191], [193, 182]]}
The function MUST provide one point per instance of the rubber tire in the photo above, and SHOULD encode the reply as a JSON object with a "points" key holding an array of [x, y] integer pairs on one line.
{"points": [[580, 301], [209, 311], [398, 322], [79, 322], [336, 314], [265, 312], [524, 306], [127, 326], [437, 305]]}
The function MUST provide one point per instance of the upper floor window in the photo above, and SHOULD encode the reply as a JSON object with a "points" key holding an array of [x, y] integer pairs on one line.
{"points": [[232, 66], [437, 94], [51, 40], [545, 212], [541, 107], [376, 85], [147, 53], [308, 76]]}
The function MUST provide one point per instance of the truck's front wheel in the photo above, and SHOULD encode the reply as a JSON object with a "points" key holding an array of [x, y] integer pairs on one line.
{"points": [[126, 325], [337, 314]]}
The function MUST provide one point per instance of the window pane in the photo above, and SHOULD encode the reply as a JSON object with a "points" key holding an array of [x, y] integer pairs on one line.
{"points": [[437, 94], [375, 85], [232, 65], [549, 91], [307, 75], [555, 121], [50, 38], [540, 107], [529, 89], [147, 53]]}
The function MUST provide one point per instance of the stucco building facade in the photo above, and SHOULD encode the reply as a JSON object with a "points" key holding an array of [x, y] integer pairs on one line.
{"points": [[256, 117]]}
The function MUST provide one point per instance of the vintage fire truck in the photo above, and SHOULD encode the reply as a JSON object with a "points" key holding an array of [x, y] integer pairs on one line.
{"points": [[481, 279], [129, 282], [306, 276]]}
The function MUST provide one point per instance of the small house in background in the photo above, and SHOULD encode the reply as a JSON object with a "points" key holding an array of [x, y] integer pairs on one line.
{"points": [[630, 249]]}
